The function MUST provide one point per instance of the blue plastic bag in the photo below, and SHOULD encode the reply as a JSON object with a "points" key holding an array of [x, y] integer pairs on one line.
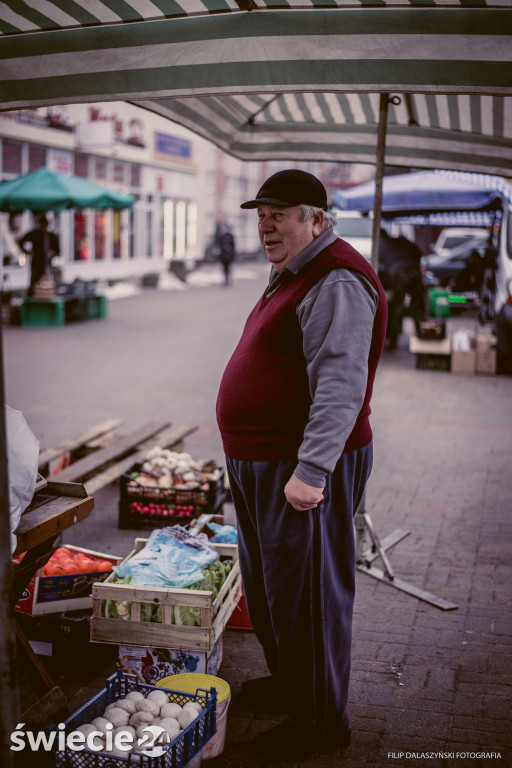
{"points": [[170, 558], [224, 534]]}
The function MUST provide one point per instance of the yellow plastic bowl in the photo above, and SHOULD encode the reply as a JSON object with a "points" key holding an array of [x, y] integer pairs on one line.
{"points": [[189, 682]]}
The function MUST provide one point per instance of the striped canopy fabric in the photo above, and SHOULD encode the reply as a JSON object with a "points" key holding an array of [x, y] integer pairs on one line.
{"points": [[281, 79]]}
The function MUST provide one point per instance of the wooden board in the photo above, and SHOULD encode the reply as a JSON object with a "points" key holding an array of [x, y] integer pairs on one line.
{"points": [[168, 439], [112, 452], [49, 519], [77, 442]]}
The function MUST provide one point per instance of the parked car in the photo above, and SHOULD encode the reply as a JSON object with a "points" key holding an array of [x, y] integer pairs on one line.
{"points": [[356, 230], [461, 269], [452, 237]]}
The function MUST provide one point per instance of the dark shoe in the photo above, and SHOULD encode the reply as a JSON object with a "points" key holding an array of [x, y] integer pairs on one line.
{"points": [[260, 691], [288, 740]]}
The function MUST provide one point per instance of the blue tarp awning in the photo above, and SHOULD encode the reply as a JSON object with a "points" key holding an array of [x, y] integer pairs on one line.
{"points": [[425, 192]]}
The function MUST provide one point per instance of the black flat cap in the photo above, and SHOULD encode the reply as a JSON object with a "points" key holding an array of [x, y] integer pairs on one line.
{"points": [[288, 188]]}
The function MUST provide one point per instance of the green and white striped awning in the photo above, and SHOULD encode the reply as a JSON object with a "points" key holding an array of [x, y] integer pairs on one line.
{"points": [[271, 79]]}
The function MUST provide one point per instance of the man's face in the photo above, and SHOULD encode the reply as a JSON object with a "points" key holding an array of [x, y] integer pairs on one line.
{"points": [[283, 234]]}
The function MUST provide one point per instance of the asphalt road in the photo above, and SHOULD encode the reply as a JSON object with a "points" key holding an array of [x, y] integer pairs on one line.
{"points": [[424, 681], [159, 356]]}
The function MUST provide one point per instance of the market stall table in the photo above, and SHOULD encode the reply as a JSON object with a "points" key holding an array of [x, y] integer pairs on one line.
{"points": [[54, 508]]}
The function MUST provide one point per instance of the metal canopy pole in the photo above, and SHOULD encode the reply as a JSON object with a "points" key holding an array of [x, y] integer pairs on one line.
{"points": [[9, 698], [362, 520]]}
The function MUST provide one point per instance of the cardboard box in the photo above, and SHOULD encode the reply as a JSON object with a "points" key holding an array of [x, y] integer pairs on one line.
{"points": [[57, 594], [152, 664], [464, 360], [486, 354]]}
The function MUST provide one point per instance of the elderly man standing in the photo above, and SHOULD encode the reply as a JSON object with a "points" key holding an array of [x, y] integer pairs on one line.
{"points": [[293, 410]]}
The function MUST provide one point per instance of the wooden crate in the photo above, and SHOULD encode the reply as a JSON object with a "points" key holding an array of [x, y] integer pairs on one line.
{"points": [[133, 631]]}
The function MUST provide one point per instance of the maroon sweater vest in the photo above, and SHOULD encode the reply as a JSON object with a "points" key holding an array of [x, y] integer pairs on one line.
{"points": [[264, 399]]}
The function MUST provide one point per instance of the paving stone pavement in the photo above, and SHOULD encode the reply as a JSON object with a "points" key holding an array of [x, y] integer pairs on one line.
{"points": [[429, 687]]}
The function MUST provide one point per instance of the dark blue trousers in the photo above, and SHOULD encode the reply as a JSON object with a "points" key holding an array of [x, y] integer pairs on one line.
{"points": [[298, 572]]}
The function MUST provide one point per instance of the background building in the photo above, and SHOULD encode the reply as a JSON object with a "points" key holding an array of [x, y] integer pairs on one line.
{"points": [[183, 187]]}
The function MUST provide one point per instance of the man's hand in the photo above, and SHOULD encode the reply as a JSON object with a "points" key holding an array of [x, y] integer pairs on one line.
{"points": [[301, 495]]}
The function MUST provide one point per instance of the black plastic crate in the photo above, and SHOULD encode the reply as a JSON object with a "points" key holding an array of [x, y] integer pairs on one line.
{"points": [[152, 506], [177, 754]]}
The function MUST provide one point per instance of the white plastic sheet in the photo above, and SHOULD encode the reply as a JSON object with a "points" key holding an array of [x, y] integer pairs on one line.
{"points": [[22, 464]]}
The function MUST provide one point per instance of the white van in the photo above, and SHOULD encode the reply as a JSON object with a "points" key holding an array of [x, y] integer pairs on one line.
{"points": [[356, 230], [453, 237], [503, 293]]}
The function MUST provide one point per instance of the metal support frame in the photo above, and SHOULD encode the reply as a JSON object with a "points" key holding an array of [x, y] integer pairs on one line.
{"points": [[364, 559]]}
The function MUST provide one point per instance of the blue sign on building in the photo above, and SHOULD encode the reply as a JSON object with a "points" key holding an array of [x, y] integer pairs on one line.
{"points": [[172, 146]]}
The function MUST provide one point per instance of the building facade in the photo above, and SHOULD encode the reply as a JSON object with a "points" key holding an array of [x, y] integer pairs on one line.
{"points": [[183, 187]]}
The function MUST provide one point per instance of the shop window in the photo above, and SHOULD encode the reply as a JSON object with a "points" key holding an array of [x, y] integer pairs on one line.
{"points": [[81, 165], [135, 176], [100, 169], [100, 235], [36, 158], [82, 245], [119, 173], [11, 157]]}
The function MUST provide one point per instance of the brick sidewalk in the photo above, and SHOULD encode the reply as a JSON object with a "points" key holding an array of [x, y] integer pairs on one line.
{"points": [[424, 680]]}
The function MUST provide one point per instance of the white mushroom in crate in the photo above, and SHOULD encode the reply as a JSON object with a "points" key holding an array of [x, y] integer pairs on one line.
{"points": [[125, 735], [146, 705], [186, 717], [194, 705], [134, 696], [100, 724], [159, 697], [170, 726], [128, 704], [170, 710], [141, 719], [117, 716]]}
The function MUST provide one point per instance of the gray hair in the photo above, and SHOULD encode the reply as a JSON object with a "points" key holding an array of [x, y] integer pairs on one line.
{"points": [[308, 211]]}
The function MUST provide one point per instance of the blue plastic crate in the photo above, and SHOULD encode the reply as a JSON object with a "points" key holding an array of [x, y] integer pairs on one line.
{"points": [[177, 754]]}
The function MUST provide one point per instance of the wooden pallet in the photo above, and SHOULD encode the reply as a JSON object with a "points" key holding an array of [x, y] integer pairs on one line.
{"points": [[108, 455]]}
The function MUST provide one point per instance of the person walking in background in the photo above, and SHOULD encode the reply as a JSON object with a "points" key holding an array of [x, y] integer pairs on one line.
{"points": [[293, 410], [400, 274], [44, 246], [225, 249]]}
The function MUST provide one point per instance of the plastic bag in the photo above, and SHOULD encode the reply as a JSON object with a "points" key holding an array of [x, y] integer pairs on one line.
{"points": [[224, 534], [461, 341], [170, 558], [22, 464]]}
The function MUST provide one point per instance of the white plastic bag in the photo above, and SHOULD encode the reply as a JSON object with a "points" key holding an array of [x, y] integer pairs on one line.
{"points": [[22, 464]]}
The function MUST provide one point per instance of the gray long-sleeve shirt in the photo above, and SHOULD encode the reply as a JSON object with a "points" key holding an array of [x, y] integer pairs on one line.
{"points": [[336, 318]]}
